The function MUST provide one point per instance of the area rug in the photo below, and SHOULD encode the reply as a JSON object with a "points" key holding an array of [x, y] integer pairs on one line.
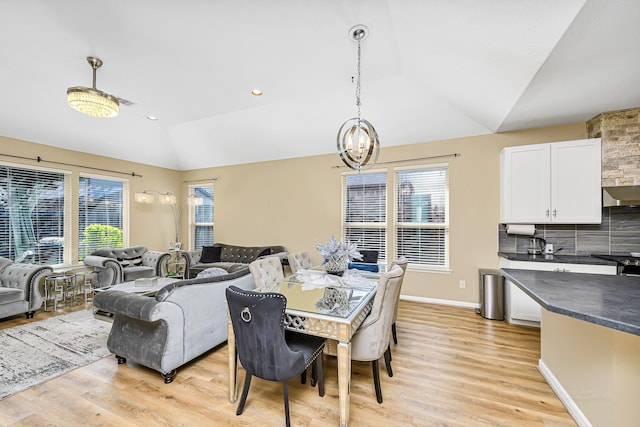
{"points": [[35, 352]]}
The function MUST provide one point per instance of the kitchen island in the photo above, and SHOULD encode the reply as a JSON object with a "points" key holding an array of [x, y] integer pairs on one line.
{"points": [[590, 342]]}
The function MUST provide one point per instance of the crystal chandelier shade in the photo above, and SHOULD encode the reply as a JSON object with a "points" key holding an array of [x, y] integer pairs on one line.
{"points": [[92, 101]]}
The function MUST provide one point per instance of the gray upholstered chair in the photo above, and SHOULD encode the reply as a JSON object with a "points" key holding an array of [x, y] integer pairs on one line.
{"points": [[402, 262], [371, 340], [264, 349], [116, 265], [266, 272], [19, 291], [299, 260]]}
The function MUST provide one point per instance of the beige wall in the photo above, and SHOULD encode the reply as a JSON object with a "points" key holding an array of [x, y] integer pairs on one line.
{"points": [[297, 202], [598, 367]]}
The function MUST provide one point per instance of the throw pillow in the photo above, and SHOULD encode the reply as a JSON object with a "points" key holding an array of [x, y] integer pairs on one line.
{"points": [[265, 252], [210, 254], [212, 272]]}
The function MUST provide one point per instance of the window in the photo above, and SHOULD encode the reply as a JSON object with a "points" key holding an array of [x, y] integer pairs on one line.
{"points": [[365, 211], [101, 214], [422, 216], [33, 210], [201, 218]]}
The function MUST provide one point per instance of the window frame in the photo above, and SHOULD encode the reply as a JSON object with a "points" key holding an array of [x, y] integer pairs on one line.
{"points": [[67, 252], [445, 225], [125, 207], [192, 215], [383, 254]]}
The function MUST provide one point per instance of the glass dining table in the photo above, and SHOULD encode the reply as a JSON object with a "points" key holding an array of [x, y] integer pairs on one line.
{"points": [[322, 305]]}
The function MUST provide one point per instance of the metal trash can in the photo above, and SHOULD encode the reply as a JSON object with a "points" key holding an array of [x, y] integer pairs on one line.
{"points": [[491, 295]]}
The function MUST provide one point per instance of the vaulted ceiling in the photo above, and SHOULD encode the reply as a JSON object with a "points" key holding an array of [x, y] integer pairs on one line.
{"points": [[431, 70]]}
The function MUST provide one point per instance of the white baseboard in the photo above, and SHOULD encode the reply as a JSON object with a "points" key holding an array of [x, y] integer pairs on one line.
{"points": [[439, 301], [562, 394]]}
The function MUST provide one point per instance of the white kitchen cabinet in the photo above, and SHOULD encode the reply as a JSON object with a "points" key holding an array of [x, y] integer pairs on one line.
{"points": [[548, 183], [520, 308]]}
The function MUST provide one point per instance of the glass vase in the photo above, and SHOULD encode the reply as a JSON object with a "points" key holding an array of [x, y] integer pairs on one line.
{"points": [[336, 266]]}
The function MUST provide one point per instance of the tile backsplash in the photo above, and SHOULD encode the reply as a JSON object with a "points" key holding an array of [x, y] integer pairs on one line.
{"points": [[619, 232]]}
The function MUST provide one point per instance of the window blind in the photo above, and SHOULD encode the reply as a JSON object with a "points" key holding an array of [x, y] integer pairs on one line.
{"points": [[422, 216], [32, 215], [202, 218], [365, 211], [100, 214]]}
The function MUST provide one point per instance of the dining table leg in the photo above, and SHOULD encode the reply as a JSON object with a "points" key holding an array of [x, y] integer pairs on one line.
{"points": [[233, 365], [344, 381]]}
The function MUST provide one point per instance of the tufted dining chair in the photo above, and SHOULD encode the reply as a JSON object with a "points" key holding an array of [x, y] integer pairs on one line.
{"points": [[371, 340], [299, 260], [402, 262], [265, 351], [266, 272]]}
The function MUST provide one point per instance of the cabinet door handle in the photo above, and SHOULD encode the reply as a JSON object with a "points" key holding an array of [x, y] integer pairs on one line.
{"points": [[546, 213], [555, 213]]}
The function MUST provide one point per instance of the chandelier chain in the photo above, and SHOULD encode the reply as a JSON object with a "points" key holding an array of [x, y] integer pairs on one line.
{"points": [[358, 86]]}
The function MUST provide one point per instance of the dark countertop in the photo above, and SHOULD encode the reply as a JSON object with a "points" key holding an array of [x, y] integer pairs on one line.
{"points": [[566, 259], [606, 300]]}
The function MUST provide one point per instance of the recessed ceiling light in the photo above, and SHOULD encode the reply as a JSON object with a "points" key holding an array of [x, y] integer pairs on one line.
{"points": [[153, 118], [256, 92]]}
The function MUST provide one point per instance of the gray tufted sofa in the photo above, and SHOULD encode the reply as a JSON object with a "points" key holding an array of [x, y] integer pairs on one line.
{"points": [[117, 265], [184, 320], [19, 292], [230, 255]]}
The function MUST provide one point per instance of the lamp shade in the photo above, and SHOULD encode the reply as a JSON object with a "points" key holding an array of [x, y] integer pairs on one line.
{"points": [[193, 200], [143, 197], [167, 199]]}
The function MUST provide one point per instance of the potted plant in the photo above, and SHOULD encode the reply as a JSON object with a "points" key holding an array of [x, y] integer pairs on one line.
{"points": [[336, 255]]}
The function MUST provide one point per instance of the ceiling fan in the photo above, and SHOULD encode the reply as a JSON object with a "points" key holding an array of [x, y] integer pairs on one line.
{"points": [[92, 101]]}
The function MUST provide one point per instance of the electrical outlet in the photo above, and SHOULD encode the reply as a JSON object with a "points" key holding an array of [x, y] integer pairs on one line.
{"points": [[463, 284]]}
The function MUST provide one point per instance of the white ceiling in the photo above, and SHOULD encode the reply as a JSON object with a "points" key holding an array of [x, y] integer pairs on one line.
{"points": [[431, 70]]}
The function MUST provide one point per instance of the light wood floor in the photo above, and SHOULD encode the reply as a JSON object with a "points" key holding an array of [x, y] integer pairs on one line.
{"points": [[452, 368]]}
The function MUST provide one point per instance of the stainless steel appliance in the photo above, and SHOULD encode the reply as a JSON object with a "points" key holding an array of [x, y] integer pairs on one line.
{"points": [[536, 246], [628, 265]]}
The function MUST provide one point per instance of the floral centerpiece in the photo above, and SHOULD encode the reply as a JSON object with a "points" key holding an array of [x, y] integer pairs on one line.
{"points": [[336, 255]]}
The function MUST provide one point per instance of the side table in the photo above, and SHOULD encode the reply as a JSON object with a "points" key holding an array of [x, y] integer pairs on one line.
{"points": [[84, 284], [59, 287], [177, 264]]}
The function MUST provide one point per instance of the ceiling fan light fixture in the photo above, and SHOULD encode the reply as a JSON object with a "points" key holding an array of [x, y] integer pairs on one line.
{"points": [[92, 101]]}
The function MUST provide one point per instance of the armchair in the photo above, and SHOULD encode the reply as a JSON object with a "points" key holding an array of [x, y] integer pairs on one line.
{"points": [[19, 292], [117, 265]]}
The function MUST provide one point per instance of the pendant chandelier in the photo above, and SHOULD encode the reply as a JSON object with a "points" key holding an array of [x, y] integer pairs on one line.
{"points": [[91, 101], [358, 143]]}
